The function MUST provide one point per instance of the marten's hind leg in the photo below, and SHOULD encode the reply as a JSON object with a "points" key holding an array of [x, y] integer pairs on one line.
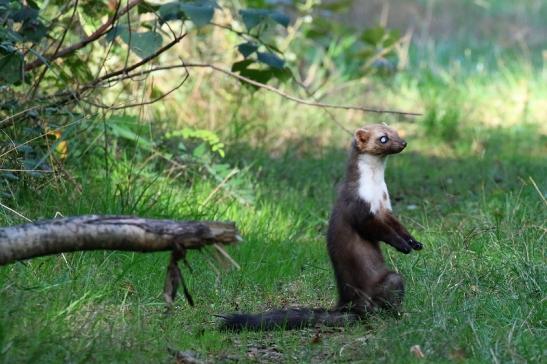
{"points": [[390, 291]]}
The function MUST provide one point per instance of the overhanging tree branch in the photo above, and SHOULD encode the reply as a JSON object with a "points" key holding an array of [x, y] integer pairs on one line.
{"points": [[102, 30], [64, 97], [59, 45], [267, 87], [134, 66]]}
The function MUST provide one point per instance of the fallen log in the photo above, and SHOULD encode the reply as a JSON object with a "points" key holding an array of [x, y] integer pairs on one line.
{"points": [[125, 233]]}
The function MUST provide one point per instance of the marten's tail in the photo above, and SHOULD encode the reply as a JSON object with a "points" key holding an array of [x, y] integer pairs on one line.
{"points": [[286, 319]]}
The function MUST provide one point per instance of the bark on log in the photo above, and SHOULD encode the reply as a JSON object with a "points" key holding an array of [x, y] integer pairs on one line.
{"points": [[110, 233]]}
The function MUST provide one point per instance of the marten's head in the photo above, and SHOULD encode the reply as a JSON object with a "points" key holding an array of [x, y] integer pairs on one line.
{"points": [[378, 139]]}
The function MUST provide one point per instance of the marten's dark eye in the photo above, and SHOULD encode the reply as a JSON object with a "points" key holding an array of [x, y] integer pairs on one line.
{"points": [[384, 139]]}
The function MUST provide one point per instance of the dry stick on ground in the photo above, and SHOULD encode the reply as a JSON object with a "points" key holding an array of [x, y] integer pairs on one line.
{"points": [[94, 232], [116, 233]]}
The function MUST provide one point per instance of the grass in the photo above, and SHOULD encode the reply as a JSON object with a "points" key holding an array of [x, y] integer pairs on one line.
{"points": [[475, 293], [471, 186]]}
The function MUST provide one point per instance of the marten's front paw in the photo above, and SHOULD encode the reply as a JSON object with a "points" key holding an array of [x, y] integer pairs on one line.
{"points": [[398, 243], [403, 248], [416, 245]]}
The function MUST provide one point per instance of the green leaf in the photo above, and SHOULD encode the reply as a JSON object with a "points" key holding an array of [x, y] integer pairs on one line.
{"points": [[171, 11], [10, 35], [282, 75], [270, 59], [25, 14], [33, 30], [32, 4], [373, 36], [280, 18], [121, 126], [222, 169], [10, 176], [200, 15], [380, 37], [392, 37], [92, 9], [113, 33], [144, 44], [210, 3], [246, 49], [146, 7], [252, 17], [262, 76], [200, 150], [242, 65], [11, 65], [78, 68]]}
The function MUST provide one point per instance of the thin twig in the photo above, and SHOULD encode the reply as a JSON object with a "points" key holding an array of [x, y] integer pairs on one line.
{"points": [[327, 111], [61, 41], [227, 256], [134, 66], [270, 88], [24, 170], [102, 30], [40, 136], [110, 45], [129, 33], [8, 120], [142, 103], [220, 185], [246, 35], [66, 96]]}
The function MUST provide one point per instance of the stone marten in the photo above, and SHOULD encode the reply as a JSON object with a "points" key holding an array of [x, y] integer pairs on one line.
{"points": [[360, 219]]}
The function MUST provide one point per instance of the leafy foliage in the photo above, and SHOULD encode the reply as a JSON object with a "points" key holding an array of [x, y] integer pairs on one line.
{"points": [[199, 12], [254, 17], [11, 64], [144, 44], [58, 59], [208, 137]]}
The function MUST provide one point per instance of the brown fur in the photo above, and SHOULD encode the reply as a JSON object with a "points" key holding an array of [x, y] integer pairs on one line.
{"points": [[366, 140], [364, 282]]}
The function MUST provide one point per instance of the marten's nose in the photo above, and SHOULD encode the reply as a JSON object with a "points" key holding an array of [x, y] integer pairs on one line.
{"points": [[403, 143]]}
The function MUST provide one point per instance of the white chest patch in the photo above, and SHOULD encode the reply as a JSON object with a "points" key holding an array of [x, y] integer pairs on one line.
{"points": [[372, 186]]}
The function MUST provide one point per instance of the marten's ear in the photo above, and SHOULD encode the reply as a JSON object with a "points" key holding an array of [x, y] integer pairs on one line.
{"points": [[361, 138]]}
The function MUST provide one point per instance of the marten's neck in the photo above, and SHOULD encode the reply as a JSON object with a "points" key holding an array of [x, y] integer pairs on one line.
{"points": [[366, 174]]}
